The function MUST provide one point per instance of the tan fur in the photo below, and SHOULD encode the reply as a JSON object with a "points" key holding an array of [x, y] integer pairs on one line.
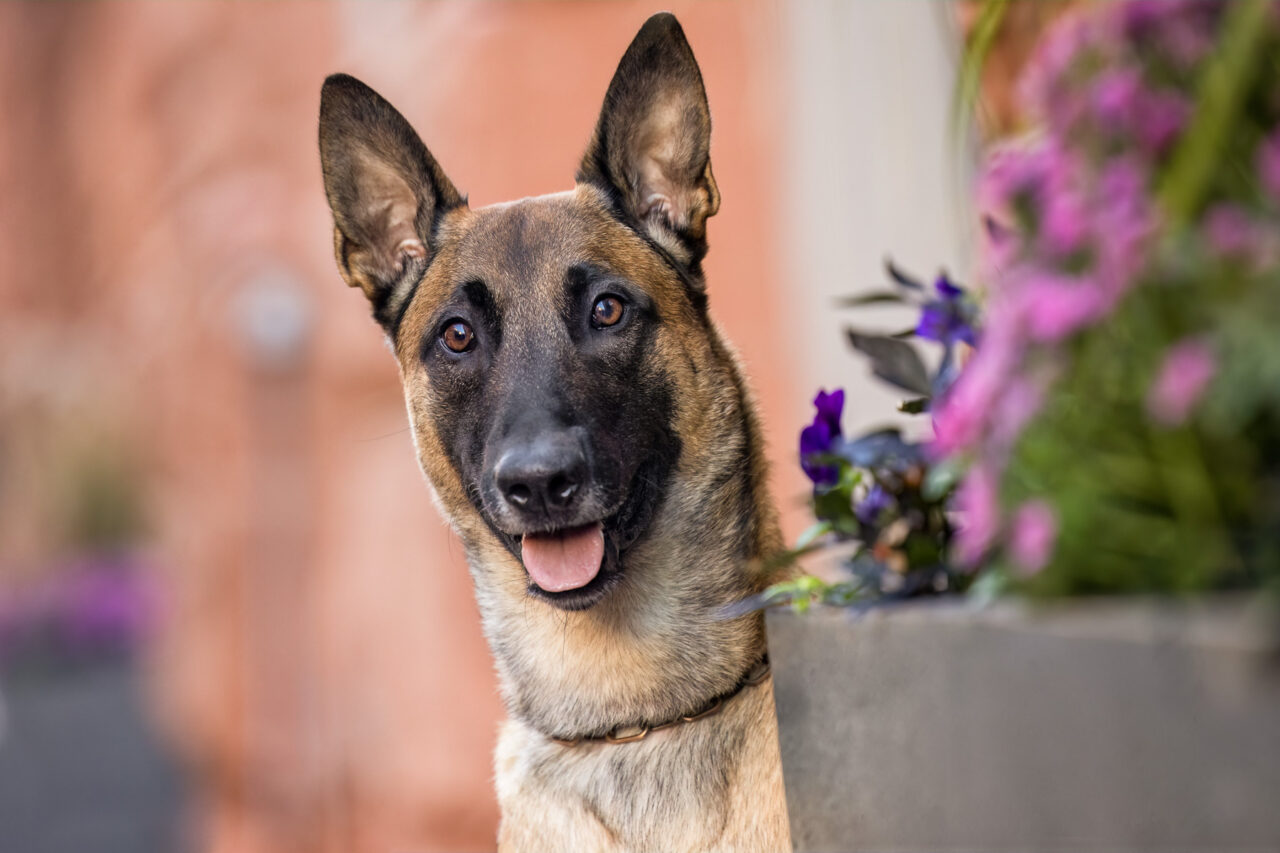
{"points": [[637, 654], [677, 798], [657, 645]]}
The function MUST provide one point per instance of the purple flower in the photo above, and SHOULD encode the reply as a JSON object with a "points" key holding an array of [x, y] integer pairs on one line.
{"points": [[948, 290], [105, 608], [870, 508], [94, 604], [949, 318], [1184, 375], [1268, 165], [1034, 530], [820, 436]]}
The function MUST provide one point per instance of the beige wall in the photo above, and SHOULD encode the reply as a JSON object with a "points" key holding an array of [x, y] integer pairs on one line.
{"points": [[871, 171]]}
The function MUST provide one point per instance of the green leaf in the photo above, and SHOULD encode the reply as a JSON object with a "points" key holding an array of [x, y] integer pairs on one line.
{"points": [[942, 478], [894, 361], [969, 79], [873, 298], [813, 534], [989, 585], [900, 278], [1221, 93]]}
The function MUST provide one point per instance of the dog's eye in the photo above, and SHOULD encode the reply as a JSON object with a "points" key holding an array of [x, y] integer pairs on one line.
{"points": [[458, 337], [606, 312]]}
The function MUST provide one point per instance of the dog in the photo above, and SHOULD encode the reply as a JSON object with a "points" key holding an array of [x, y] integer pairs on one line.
{"points": [[587, 431]]}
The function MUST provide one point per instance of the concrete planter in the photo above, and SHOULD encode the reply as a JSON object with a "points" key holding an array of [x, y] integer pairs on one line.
{"points": [[1120, 725], [81, 770]]}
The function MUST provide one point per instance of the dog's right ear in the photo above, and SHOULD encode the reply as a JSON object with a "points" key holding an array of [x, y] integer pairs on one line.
{"points": [[386, 191], [651, 150]]}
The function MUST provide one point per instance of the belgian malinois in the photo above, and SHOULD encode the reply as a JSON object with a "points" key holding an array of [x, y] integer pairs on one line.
{"points": [[588, 433]]}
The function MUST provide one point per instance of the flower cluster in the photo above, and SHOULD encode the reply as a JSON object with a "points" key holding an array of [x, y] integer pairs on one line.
{"points": [[101, 606], [880, 491], [1117, 424], [1090, 275]]}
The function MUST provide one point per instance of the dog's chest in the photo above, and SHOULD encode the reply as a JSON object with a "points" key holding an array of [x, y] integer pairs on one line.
{"points": [[694, 788]]}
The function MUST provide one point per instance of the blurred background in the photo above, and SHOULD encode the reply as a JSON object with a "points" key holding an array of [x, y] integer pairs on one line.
{"points": [[230, 618]]}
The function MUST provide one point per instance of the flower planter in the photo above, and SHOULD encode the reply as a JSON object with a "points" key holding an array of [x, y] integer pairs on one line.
{"points": [[1118, 725], [80, 768]]}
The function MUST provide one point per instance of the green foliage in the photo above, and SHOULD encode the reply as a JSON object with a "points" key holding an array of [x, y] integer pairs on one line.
{"points": [[101, 505]]}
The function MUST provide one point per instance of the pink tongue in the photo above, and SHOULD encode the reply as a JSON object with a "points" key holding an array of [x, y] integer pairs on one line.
{"points": [[565, 560]]}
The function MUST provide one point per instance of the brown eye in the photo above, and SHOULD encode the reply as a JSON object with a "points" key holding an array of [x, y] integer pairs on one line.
{"points": [[458, 337], [606, 312]]}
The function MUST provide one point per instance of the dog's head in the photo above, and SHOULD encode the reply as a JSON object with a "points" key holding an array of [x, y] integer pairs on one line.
{"points": [[556, 353]]}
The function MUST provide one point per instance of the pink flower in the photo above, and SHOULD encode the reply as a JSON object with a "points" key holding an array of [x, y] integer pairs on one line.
{"points": [[1018, 404], [1229, 231], [1185, 373], [1057, 305], [960, 420], [1126, 218], [1045, 89], [1183, 30], [998, 246], [1034, 530], [1269, 165], [1160, 117], [1065, 227], [1010, 172], [977, 500], [1115, 97]]}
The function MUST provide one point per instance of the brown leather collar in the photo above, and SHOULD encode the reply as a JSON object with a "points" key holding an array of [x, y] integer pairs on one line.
{"points": [[630, 734]]}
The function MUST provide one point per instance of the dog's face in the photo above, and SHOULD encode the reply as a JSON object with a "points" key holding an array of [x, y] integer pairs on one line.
{"points": [[552, 348]]}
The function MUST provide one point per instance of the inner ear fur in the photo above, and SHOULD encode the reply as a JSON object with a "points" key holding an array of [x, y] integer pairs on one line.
{"points": [[386, 192], [651, 149]]}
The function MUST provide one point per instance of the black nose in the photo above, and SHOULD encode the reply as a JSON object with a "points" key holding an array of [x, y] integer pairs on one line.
{"points": [[542, 476]]}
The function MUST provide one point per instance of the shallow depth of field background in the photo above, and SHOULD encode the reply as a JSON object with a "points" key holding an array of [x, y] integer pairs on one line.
{"points": [[230, 617]]}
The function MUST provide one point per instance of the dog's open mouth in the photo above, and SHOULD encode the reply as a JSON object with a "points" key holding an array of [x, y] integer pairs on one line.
{"points": [[563, 560], [571, 569], [575, 567]]}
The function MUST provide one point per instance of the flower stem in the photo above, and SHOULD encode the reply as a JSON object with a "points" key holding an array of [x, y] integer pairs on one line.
{"points": [[1220, 99]]}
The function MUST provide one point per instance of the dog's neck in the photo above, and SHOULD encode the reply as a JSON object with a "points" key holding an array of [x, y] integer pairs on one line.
{"points": [[654, 648]]}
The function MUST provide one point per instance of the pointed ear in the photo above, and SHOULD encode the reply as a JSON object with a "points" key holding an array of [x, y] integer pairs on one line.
{"points": [[651, 150], [386, 192]]}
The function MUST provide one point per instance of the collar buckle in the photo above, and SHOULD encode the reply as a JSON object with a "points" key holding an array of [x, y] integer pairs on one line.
{"points": [[638, 733]]}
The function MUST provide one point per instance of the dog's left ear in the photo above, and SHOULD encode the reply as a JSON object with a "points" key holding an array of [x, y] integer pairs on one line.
{"points": [[651, 150], [386, 191]]}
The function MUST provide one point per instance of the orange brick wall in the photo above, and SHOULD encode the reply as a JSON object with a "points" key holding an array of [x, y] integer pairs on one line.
{"points": [[321, 670]]}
